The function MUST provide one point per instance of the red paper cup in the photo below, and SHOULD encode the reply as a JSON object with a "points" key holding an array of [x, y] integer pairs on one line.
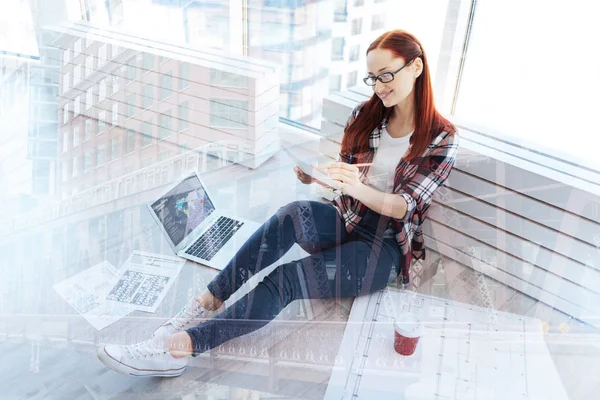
{"points": [[407, 334]]}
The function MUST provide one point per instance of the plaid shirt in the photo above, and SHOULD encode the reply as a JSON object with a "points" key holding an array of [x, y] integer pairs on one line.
{"points": [[415, 181]]}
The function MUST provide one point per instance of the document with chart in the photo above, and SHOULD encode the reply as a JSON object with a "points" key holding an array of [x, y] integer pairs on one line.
{"points": [[103, 294], [144, 280], [86, 293]]}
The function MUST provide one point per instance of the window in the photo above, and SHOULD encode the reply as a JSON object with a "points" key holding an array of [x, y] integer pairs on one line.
{"points": [[65, 171], [116, 50], [352, 76], [337, 48], [88, 130], [66, 82], [222, 78], [77, 48], [147, 96], [228, 113], [89, 98], [65, 141], [76, 136], [355, 52], [130, 105], [66, 56], [101, 55], [75, 166], [164, 125], [115, 114], [341, 11], [378, 22], [184, 75], [115, 84], [146, 162], [76, 106], [76, 74], [147, 62], [146, 133], [164, 155], [114, 149], [87, 162], [66, 113], [335, 83], [356, 26], [130, 141], [100, 154], [487, 91], [164, 91], [102, 90], [89, 65], [183, 115], [130, 71], [101, 122], [162, 59]]}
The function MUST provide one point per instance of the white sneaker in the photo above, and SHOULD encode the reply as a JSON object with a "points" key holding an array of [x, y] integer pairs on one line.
{"points": [[191, 315], [149, 358]]}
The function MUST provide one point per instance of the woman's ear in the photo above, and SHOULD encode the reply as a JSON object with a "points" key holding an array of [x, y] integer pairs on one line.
{"points": [[418, 67]]}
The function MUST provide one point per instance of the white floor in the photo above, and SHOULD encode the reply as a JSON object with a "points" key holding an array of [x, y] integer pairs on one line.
{"points": [[48, 351]]}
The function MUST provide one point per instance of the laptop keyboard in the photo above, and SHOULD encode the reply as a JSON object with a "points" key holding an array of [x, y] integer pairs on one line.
{"points": [[214, 238]]}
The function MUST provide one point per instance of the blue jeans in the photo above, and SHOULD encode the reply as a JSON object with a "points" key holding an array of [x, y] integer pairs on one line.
{"points": [[361, 262]]}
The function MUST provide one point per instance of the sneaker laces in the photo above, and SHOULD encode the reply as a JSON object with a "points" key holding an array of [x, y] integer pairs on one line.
{"points": [[145, 349], [192, 310]]}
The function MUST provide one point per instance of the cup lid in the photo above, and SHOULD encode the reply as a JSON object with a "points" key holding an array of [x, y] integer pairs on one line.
{"points": [[408, 325]]}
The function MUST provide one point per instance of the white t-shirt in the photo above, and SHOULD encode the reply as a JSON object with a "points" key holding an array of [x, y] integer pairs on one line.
{"points": [[388, 156]]}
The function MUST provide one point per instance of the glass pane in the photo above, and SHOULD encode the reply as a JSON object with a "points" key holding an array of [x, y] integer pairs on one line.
{"points": [[515, 94]]}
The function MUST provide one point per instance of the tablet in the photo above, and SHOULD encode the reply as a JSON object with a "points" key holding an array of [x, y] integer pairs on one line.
{"points": [[311, 170]]}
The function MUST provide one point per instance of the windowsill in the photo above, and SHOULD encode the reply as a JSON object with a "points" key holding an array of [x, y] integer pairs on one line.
{"points": [[166, 98], [543, 163], [235, 87], [163, 139], [226, 127]]}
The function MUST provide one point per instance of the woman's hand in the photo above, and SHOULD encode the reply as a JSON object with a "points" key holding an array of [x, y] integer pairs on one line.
{"points": [[349, 177], [302, 176]]}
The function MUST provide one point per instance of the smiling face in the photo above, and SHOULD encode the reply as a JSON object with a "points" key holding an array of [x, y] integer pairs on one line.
{"points": [[396, 91]]}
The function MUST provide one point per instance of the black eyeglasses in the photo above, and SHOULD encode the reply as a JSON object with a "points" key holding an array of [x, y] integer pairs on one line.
{"points": [[386, 77]]}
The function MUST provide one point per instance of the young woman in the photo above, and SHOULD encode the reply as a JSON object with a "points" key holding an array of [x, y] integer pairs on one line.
{"points": [[372, 226]]}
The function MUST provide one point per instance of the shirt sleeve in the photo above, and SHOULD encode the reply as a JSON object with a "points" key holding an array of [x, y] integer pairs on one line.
{"points": [[432, 171]]}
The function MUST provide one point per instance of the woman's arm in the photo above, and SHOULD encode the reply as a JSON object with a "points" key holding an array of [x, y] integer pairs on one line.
{"points": [[388, 204], [414, 194]]}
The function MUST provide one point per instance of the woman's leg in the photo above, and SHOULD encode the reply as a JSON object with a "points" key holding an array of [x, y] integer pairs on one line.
{"points": [[360, 265], [313, 225]]}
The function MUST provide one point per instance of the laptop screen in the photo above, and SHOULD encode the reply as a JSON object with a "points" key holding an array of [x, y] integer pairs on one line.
{"points": [[183, 208]]}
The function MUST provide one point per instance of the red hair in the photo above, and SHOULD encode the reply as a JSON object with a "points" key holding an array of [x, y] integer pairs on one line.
{"points": [[428, 121]]}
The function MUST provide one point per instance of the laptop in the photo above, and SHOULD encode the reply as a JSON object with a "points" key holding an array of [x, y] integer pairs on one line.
{"points": [[195, 228]]}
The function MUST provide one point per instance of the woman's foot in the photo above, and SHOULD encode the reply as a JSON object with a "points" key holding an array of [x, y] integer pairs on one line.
{"points": [[191, 315], [209, 302], [149, 358]]}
